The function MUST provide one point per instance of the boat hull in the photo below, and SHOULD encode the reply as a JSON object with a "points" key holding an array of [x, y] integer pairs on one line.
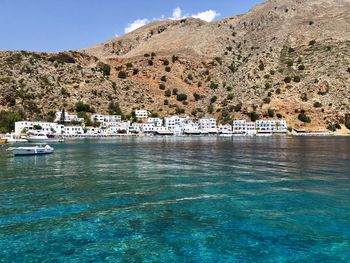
{"points": [[21, 151], [40, 140]]}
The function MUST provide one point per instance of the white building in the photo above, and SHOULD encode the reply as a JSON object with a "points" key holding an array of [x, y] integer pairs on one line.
{"points": [[106, 120], [73, 130], [67, 117], [38, 126], [208, 125], [225, 129], [243, 127], [157, 122], [271, 126], [141, 114]]}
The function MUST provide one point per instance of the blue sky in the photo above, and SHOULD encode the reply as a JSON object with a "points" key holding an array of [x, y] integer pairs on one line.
{"points": [[48, 25]]}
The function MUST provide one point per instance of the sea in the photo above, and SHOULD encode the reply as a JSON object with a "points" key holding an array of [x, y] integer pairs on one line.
{"points": [[178, 199]]}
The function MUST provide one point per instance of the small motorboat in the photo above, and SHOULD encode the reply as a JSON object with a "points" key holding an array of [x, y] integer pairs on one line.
{"points": [[44, 138], [3, 140], [36, 150]]}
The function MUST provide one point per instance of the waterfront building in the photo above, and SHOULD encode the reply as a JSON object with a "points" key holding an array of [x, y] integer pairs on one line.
{"points": [[225, 129], [243, 127], [271, 126], [141, 114], [67, 117], [157, 122], [38, 126], [208, 125], [106, 120], [73, 130]]}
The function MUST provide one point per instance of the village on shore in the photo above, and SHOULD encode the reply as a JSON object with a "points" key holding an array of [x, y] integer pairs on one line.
{"points": [[69, 125]]}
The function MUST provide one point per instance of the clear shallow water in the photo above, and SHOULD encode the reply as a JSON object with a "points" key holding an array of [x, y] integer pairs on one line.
{"points": [[178, 200]]}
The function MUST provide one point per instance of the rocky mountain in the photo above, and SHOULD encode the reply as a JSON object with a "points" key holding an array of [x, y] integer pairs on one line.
{"points": [[289, 58]]}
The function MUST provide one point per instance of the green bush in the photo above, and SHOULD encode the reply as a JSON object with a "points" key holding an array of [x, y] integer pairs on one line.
{"points": [[331, 127], [279, 115], [167, 69], [317, 104], [253, 116], [290, 63], [213, 99], [297, 79], [312, 42], [196, 96], [167, 93], [261, 66], [301, 67], [175, 90], [230, 96], [287, 79], [165, 62], [304, 118], [8, 119], [238, 107], [181, 97], [213, 85], [190, 77], [106, 69], [267, 100], [82, 107], [163, 78], [271, 113], [162, 86], [135, 71], [122, 75], [128, 65]]}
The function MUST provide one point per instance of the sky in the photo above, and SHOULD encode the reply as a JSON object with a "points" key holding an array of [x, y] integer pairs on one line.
{"points": [[52, 26]]}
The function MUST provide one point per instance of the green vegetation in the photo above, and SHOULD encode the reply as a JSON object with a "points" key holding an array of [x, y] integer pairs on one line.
{"points": [[287, 79], [312, 42], [303, 117], [190, 77], [8, 119], [218, 60], [297, 79], [196, 96], [230, 96], [122, 74], [279, 115], [135, 71], [175, 90], [162, 86], [165, 62], [317, 104], [167, 69], [167, 93], [82, 107], [163, 78], [253, 116], [270, 113], [129, 65], [213, 99], [261, 66], [267, 100], [301, 67], [181, 97], [106, 69], [238, 107], [213, 85], [174, 58], [150, 62]]}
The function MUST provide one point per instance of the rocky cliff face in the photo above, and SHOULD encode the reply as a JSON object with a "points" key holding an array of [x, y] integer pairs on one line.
{"points": [[286, 57]]}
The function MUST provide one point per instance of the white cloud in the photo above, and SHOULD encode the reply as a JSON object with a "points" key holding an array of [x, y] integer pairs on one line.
{"points": [[208, 16], [136, 24], [177, 12]]}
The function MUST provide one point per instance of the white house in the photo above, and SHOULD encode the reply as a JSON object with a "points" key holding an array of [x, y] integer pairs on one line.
{"points": [[45, 127], [157, 122], [141, 114], [225, 129], [73, 130], [106, 120], [208, 125], [67, 117], [271, 126], [243, 127]]}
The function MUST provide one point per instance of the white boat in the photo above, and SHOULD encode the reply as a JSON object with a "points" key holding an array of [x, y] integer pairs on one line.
{"points": [[13, 138], [44, 138], [36, 150]]}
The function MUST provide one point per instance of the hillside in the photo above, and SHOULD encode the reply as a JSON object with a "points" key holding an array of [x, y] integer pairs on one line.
{"points": [[287, 57]]}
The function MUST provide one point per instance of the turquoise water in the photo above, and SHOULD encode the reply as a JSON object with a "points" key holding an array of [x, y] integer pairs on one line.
{"points": [[178, 200]]}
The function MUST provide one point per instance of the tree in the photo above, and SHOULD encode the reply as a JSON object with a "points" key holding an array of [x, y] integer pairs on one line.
{"points": [[82, 107], [196, 96], [167, 93], [106, 69], [253, 116], [167, 69], [63, 116], [165, 62], [163, 78], [114, 108], [287, 79], [238, 107], [267, 100], [162, 86], [8, 119], [230, 96], [271, 113], [297, 79], [304, 118], [317, 104]]}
